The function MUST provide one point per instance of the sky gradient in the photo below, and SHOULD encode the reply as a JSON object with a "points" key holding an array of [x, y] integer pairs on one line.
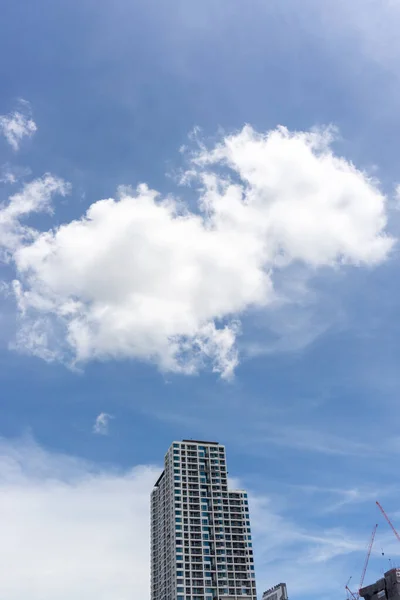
{"points": [[198, 239]]}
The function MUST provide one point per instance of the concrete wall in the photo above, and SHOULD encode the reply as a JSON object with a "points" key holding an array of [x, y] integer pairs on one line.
{"points": [[387, 588]]}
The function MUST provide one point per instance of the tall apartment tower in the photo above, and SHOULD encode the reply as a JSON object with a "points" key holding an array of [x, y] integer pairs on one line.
{"points": [[201, 545]]}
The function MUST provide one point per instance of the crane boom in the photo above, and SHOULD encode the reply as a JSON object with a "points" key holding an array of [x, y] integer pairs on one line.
{"points": [[388, 520], [371, 543], [352, 594], [348, 590]]}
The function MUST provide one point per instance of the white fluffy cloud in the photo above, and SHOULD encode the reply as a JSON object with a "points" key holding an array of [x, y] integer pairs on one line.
{"points": [[141, 276], [101, 423], [70, 529], [17, 125]]}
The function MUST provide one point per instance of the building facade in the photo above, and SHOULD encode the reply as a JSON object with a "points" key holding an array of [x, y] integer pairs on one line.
{"points": [[387, 588], [201, 546]]}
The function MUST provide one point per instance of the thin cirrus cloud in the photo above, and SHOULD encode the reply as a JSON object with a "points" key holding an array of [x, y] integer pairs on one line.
{"points": [[18, 125], [142, 276]]}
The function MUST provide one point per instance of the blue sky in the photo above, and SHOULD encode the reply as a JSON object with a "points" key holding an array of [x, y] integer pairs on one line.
{"points": [[264, 315]]}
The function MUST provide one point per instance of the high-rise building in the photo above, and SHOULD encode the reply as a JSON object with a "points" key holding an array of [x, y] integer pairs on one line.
{"points": [[201, 546]]}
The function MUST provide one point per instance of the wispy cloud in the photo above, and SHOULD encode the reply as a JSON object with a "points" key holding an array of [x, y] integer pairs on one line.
{"points": [[336, 499], [33, 196], [305, 439], [321, 440], [11, 174], [17, 125], [302, 555], [372, 26], [101, 424]]}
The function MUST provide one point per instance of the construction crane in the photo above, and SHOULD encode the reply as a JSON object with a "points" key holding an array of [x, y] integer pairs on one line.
{"points": [[371, 543], [349, 592], [388, 520], [356, 596]]}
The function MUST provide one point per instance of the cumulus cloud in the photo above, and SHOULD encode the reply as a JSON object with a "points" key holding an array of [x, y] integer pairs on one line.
{"points": [[101, 423], [141, 276], [17, 125]]}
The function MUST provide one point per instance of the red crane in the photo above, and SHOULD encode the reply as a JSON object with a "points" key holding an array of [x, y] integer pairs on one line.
{"points": [[371, 543], [349, 592], [388, 520]]}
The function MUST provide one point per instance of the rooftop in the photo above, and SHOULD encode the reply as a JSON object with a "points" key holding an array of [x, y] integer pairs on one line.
{"points": [[201, 442]]}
